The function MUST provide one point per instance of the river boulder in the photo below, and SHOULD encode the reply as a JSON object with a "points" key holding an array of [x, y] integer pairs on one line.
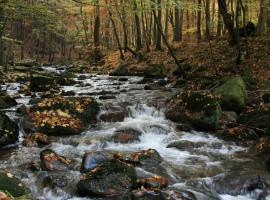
{"points": [[201, 110], [10, 185], [232, 94], [6, 101], [41, 83], [61, 115], [51, 161], [9, 130], [126, 135], [111, 179]]}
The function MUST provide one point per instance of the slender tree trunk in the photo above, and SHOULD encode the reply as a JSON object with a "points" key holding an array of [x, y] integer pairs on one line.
{"points": [[177, 22], [96, 24], [138, 27], [199, 17], [261, 27], [207, 20], [238, 12], [159, 19], [228, 21]]}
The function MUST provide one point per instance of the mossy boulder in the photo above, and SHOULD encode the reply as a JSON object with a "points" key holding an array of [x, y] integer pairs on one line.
{"points": [[154, 71], [6, 102], [9, 184], [9, 131], [232, 94], [121, 70], [27, 63], [249, 79], [198, 109], [111, 179], [41, 83]]}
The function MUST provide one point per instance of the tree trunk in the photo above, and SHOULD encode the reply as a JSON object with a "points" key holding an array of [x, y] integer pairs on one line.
{"points": [[207, 20], [159, 18], [228, 21], [261, 27], [177, 22], [138, 27], [96, 24], [199, 17]]}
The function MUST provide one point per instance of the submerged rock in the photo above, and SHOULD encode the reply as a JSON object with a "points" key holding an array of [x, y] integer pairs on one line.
{"points": [[9, 130], [142, 194], [13, 186], [198, 109], [117, 116], [127, 135], [153, 183], [111, 179], [233, 94], [35, 139], [51, 161]]}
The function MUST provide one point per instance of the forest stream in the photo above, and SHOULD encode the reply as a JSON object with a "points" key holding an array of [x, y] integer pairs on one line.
{"points": [[202, 166]]}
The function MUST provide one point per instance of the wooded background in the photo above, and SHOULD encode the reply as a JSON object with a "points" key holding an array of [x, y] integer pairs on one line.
{"points": [[63, 30]]}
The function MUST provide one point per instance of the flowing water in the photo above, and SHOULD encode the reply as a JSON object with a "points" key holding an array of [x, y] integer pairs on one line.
{"points": [[192, 169]]}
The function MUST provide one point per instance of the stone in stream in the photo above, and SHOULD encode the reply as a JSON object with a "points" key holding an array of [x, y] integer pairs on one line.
{"points": [[239, 184], [35, 139], [27, 63], [111, 179], [41, 83], [12, 186], [200, 110], [127, 135], [232, 94], [123, 79], [9, 130], [68, 93], [117, 116], [92, 160], [51, 161], [142, 194], [56, 180], [61, 115], [153, 183], [6, 101], [154, 71]]}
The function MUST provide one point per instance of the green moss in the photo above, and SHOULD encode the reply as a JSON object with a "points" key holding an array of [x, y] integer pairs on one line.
{"points": [[233, 94], [12, 185]]}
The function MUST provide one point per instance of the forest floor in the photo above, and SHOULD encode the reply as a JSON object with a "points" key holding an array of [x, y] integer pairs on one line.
{"points": [[217, 57]]}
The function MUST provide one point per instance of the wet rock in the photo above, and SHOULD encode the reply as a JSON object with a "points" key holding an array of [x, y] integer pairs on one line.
{"points": [[228, 117], [184, 127], [118, 116], [266, 97], [154, 71], [197, 109], [145, 80], [22, 110], [153, 183], [152, 86], [61, 115], [9, 183], [233, 94], [7, 102], [51, 161], [53, 181], [239, 134], [40, 83], [142, 194], [92, 160], [183, 66], [106, 97], [240, 184], [185, 145], [121, 70], [111, 179], [123, 79], [82, 77], [68, 93], [9, 131], [180, 195], [35, 139], [126, 135], [179, 83]]}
